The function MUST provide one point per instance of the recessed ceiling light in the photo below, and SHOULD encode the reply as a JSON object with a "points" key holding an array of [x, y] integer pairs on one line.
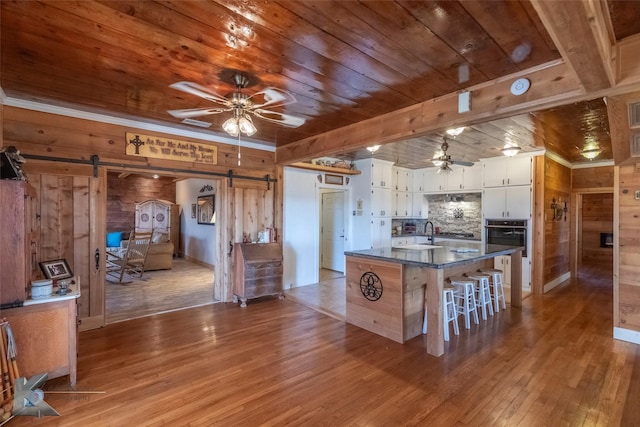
{"points": [[156, 176]]}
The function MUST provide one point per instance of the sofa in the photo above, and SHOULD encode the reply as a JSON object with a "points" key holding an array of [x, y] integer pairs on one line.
{"points": [[159, 255]]}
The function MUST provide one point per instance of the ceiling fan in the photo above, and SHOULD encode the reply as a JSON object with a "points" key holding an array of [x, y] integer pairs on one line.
{"points": [[243, 106], [443, 161]]}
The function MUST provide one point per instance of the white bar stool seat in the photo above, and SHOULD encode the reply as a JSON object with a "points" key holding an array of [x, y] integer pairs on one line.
{"points": [[498, 287], [484, 292], [465, 299]]}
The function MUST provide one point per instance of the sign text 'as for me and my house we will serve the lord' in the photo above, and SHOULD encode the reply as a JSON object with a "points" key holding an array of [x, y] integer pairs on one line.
{"points": [[170, 149]]}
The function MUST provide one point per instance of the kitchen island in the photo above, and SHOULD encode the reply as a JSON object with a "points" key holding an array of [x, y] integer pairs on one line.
{"points": [[388, 288]]}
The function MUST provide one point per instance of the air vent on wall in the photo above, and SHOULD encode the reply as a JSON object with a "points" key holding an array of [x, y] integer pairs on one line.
{"points": [[196, 123], [634, 114], [635, 145]]}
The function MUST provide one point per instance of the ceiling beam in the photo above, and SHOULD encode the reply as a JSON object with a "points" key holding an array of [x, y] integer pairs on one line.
{"points": [[552, 84], [576, 27], [619, 127]]}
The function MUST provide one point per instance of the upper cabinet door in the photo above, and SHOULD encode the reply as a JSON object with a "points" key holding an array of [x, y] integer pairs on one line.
{"points": [[503, 171], [472, 179], [381, 174]]}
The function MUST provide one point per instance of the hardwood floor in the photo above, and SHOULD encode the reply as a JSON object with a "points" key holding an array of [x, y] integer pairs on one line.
{"points": [[186, 285], [328, 296], [277, 362]]}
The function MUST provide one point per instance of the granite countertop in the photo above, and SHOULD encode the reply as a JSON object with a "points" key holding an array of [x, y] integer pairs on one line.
{"points": [[449, 254], [438, 236]]}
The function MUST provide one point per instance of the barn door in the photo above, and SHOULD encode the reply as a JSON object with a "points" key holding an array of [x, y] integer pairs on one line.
{"points": [[72, 226]]}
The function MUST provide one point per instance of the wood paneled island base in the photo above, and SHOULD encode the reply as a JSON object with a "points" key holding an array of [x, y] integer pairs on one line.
{"points": [[388, 289]]}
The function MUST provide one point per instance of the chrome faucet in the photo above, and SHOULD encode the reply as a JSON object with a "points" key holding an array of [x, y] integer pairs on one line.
{"points": [[431, 236]]}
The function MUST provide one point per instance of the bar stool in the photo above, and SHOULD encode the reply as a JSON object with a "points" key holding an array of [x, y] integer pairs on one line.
{"points": [[498, 287], [484, 292], [465, 299], [449, 312]]}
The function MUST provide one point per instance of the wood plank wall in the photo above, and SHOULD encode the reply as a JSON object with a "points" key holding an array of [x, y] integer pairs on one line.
{"points": [[123, 194], [47, 134], [557, 184], [628, 237]]}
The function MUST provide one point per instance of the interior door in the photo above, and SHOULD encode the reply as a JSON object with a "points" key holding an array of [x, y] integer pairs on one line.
{"points": [[333, 231], [73, 207]]}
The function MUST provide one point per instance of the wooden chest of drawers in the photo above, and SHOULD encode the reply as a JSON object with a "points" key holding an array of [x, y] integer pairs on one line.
{"points": [[258, 271]]}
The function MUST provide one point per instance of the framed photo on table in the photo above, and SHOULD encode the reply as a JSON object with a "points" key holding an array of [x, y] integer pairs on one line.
{"points": [[56, 269]]}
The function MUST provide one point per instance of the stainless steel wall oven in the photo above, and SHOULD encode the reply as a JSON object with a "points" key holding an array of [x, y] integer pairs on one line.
{"points": [[512, 233]]}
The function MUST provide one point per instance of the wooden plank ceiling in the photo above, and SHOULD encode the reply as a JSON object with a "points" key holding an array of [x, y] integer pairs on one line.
{"points": [[344, 61]]}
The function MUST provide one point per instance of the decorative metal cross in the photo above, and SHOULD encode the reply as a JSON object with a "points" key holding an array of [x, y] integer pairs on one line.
{"points": [[137, 142]]}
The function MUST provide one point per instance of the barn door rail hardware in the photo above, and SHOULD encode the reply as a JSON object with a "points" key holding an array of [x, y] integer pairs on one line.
{"points": [[94, 161]]}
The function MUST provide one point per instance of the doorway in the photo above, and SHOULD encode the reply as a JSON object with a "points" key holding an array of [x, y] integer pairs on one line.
{"points": [[181, 270], [332, 229], [594, 249]]}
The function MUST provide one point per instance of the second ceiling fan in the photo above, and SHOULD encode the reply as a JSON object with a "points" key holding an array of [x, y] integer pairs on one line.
{"points": [[444, 161]]}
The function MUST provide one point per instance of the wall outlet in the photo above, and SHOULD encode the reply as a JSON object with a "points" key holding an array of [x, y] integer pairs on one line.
{"points": [[637, 195]]}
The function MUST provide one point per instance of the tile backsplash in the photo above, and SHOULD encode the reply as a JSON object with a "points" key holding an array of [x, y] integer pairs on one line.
{"points": [[459, 213]]}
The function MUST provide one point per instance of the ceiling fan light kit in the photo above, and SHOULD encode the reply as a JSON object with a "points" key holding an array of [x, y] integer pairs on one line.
{"points": [[373, 148], [259, 104], [455, 131]]}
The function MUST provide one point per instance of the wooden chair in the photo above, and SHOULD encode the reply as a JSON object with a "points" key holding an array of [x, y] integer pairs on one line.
{"points": [[131, 259]]}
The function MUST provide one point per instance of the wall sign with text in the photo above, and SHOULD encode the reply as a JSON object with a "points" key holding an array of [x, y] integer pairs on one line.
{"points": [[170, 149]]}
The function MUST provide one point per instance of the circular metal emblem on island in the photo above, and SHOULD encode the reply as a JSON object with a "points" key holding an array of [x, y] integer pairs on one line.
{"points": [[371, 286]]}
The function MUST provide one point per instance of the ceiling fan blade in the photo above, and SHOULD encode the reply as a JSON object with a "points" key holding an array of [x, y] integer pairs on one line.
{"points": [[273, 97], [201, 91], [461, 162], [280, 118], [196, 112]]}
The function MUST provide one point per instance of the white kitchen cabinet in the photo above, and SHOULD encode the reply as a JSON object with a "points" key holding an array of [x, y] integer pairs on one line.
{"points": [[507, 202], [400, 241], [434, 182], [381, 202], [380, 233], [507, 171], [419, 178], [503, 263], [403, 202], [381, 173], [460, 179], [472, 179], [420, 206], [402, 179]]}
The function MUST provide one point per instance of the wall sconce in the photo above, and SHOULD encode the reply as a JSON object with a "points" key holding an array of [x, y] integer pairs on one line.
{"points": [[558, 212]]}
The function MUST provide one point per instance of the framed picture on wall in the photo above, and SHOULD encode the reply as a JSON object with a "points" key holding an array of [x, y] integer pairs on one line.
{"points": [[333, 179], [56, 269]]}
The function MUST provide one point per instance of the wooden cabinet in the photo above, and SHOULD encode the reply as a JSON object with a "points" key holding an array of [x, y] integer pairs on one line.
{"points": [[257, 271], [46, 337], [19, 228], [161, 216]]}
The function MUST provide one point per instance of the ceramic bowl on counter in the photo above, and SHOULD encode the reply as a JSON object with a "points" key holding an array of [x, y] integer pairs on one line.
{"points": [[41, 288]]}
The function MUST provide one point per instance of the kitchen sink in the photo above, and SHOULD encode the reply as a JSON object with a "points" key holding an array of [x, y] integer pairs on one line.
{"points": [[418, 247]]}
